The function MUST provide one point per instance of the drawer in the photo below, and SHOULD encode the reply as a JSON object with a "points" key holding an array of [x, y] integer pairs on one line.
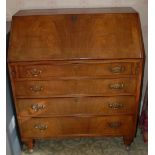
{"points": [[73, 69], [75, 87], [76, 106], [72, 126]]}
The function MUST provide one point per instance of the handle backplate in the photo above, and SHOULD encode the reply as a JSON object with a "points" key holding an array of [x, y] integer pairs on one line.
{"points": [[117, 69], [35, 72], [36, 88], [116, 86], [114, 125], [41, 127], [37, 107], [115, 105]]}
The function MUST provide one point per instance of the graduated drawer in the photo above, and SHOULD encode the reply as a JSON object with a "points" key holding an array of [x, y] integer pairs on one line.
{"points": [[76, 106], [68, 126], [75, 87], [73, 69]]}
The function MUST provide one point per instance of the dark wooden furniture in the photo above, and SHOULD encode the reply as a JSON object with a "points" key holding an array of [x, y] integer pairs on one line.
{"points": [[76, 72]]}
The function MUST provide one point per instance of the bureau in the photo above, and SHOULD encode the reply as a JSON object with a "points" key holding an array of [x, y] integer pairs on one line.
{"points": [[76, 72]]}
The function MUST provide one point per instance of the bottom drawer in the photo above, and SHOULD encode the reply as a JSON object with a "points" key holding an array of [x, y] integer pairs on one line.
{"points": [[75, 126]]}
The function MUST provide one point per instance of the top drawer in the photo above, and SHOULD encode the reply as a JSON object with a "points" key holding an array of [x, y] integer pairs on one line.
{"points": [[74, 69]]}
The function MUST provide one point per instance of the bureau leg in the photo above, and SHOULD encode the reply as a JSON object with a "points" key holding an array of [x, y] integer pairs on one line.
{"points": [[29, 144], [127, 141]]}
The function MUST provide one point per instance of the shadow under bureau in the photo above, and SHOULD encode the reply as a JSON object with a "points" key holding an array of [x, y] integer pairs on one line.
{"points": [[76, 72]]}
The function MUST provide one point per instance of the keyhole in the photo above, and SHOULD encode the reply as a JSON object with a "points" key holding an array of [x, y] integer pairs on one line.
{"points": [[74, 18]]}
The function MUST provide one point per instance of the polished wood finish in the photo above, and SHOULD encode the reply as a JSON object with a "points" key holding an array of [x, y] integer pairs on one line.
{"points": [[60, 126], [80, 36], [76, 106], [76, 72], [74, 69], [85, 87]]}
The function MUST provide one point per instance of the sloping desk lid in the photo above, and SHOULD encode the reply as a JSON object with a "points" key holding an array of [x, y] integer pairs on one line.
{"points": [[63, 34]]}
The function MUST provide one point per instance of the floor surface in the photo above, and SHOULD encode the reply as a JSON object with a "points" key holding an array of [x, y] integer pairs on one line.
{"points": [[88, 146]]}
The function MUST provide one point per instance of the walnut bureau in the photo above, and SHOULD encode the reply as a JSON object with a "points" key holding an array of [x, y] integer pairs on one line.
{"points": [[76, 72]]}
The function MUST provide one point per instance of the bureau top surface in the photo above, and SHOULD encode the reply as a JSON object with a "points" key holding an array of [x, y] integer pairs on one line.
{"points": [[75, 11], [66, 34]]}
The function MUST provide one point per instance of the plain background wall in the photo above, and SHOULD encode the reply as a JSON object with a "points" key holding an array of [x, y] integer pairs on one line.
{"points": [[12, 140], [140, 5]]}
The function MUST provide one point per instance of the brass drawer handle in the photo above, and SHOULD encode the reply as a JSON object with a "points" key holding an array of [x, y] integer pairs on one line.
{"points": [[35, 72], [115, 105], [37, 107], [36, 88], [114, 125], [41, 127], [116, 86], [118, 69]]}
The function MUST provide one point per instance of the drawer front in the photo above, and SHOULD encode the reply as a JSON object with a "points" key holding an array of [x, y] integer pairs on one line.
{"points": [[72, 87], [76, 106], [73, 70], [65, 126]]}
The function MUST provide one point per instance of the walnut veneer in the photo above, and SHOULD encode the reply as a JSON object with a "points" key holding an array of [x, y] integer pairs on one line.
{"points": [[76, 72]]}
